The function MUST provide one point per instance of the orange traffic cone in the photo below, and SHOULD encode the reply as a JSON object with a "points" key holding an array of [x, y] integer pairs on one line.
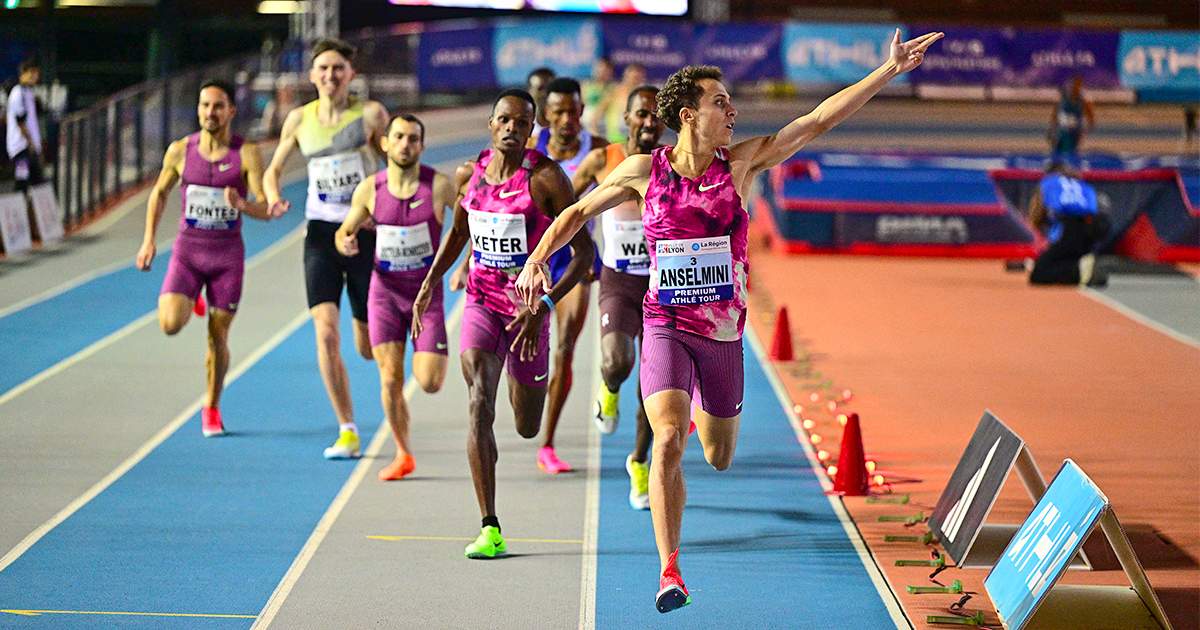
{"points": [[781, 344], [851, 478]]}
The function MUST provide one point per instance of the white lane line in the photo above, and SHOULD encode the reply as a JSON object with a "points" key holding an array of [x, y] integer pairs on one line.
{"points": [[164, 245], [591, 511], [1100, 297], [885, 592], [132, 327], [275, 602], [153, 443]]}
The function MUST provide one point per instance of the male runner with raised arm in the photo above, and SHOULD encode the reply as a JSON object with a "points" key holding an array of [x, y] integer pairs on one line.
{"points": [[214, 168], [339, 137], [565, 141], [407, 201], [509, 196], [623, 283], [693, 208]]}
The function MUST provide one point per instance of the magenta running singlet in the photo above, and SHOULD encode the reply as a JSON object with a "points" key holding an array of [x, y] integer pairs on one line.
{"points": [[407, 231], [505, 225], [696, 230], [202, 185]]}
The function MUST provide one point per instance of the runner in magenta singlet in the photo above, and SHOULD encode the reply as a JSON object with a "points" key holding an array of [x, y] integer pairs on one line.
{"points": [[508, 196], [623, 284], [693, 198], [408, 203], [565, 141], [214, 168]]}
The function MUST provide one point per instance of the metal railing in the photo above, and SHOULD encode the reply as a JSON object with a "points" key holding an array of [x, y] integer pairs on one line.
{"points": [[116, 146]]}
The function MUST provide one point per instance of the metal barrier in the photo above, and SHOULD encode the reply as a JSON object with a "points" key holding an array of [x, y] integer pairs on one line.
{"points": [[116, 146]]}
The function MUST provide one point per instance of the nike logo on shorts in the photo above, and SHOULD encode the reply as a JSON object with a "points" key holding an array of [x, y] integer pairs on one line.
{"points": [[510, 193], [224, 167], [738, 406], [541, 378], [416, 203], [441, 346], [704, 188]]}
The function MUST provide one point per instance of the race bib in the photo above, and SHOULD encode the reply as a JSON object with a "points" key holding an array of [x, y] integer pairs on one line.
{"points": [[498, 240], [403, 247], [625, 246], [1068, 121], [694, 271], [335, 177], [205, 209]]}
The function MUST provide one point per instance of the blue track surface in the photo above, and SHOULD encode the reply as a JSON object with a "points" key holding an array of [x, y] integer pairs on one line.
{"points": [[201, 526], [761, 545], [41, 335]]}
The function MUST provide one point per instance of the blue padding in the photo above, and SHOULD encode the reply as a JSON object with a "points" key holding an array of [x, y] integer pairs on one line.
{"points": [[951, 186]]}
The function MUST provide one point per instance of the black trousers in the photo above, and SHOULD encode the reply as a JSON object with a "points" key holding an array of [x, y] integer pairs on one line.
{"points": [[1059, 264]]}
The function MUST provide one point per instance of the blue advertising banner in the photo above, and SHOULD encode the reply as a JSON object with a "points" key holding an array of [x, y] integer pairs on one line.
{"points": [[455, 60], [1160, 59], [967, 56], [744, 52], [835, 53], [1046, 542], [568, 46], [1050, 58], [662, 47]]}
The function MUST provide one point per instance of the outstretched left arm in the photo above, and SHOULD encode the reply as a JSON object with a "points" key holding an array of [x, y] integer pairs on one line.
{"points": [[767, 151]]}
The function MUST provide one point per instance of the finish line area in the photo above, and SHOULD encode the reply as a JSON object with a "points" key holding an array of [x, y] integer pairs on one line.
{"points": [[122, 515], [119, 514]]}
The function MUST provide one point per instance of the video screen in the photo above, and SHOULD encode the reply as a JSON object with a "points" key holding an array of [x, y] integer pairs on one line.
{"points": [[647, 7]]}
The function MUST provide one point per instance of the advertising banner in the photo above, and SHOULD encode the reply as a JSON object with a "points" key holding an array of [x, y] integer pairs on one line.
{"points": [[662, 47], [744, 52], [966, 56], [1160, 59], [567, 46], [835, 53], [1050, 58], [455, 60]]}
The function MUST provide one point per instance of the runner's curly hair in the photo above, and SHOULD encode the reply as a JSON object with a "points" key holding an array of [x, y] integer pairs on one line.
{"points": [[682, 90]]}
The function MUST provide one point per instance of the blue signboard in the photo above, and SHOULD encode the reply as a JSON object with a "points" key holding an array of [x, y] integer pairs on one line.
{"points": [[1045, 544], [567, 46], [1160, 59], [835, 53], [662, 47], [455, 60], [1051, 58], [744, 52]]}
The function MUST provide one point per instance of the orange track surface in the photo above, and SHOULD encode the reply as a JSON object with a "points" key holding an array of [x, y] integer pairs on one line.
{"points": [[926, 345]]}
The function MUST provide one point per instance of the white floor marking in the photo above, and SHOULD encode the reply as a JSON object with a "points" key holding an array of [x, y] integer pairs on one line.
{"points": [[1138, 317], [146, 448], [132, 327], [591, 511], [275, 602], [864, 554]]}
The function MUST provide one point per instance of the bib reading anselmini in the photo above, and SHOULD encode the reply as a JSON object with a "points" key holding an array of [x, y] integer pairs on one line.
{"points": [[694, 271]]}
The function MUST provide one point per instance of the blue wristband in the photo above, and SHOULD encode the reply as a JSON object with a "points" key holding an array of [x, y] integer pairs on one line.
{"points": [[549, 302]]}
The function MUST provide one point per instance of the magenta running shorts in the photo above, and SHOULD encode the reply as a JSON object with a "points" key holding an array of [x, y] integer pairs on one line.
{"points": [[216, 262], [390, 309], [710, 370], [483, 328]]}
